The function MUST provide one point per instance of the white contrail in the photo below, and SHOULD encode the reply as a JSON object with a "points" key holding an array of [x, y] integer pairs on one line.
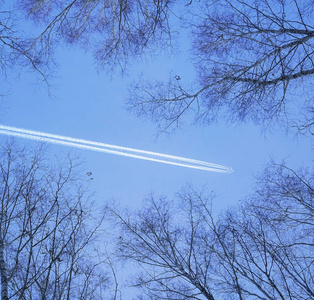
{"points": [[117, 150], [81, 146], [76, 140]]}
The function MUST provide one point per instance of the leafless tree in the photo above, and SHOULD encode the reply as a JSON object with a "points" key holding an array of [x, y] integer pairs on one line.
{"points": [[113, 30], [17, 51], [266, 248], [254, 62], [48, 230], [254, 59], [116, 30], [174, 258], [262, 249]]}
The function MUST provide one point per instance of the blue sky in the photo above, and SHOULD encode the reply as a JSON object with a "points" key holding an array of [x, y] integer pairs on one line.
{"points": [[90, 105]]}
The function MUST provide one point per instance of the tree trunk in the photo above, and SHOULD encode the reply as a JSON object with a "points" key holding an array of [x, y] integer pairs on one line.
{"points": [[3, 274]]}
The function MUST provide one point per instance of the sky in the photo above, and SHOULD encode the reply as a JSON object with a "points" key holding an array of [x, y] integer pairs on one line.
{"points": [[90, 105]]}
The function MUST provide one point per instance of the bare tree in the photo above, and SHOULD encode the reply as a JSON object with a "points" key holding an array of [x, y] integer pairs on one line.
{"points": [[48, 230], [266, 247], [174, 258], [17, 51], [116, 30], [260, 250], [254, 62], [254, 59]]}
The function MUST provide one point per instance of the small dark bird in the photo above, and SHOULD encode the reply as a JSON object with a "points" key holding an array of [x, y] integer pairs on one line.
{"points": [[177, 77]]}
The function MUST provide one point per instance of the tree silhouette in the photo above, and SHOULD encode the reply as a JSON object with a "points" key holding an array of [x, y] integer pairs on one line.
{"points": [[48, 248], [254, 62], [262, 249]]}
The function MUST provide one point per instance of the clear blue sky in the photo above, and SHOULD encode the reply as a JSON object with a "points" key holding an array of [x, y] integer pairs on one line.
{"points": [[90, 105]]}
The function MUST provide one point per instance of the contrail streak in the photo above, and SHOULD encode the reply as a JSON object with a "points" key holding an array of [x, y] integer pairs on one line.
{"points": [[81, 141], [113, 149]]}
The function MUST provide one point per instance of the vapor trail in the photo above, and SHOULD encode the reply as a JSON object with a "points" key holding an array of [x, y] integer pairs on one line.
{"points": [[113, 149], [81, 141]]}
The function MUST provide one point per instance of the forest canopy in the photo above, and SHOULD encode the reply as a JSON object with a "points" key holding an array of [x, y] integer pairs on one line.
{"points": [[254, 59]]}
